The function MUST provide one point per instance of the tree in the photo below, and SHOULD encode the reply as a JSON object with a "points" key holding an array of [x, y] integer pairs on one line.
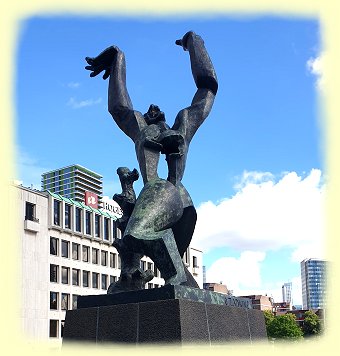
{"points": [[268, 317], [312, 324], [283, 327]]}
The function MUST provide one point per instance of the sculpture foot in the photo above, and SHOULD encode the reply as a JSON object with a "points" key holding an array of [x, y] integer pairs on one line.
{"points": [[131, 281]]}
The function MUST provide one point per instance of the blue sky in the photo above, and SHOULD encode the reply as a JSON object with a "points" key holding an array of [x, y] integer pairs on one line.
{"points": [[254, 167]]}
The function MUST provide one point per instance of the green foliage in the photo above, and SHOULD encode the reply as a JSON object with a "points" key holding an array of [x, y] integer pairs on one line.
{"points": [[268, 317], [283, 327], [312, 324]]}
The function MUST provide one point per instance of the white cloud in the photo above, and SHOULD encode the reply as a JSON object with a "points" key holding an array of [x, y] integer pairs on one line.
{"points": [[73, 85], [266, 215], [237, 274], [243, 276], [252, 178], [296, 291], [315, 66], [29, 170], [75, 104]]}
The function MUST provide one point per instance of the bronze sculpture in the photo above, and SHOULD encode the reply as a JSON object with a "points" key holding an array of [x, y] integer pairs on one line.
{"points": [[163, 218]]}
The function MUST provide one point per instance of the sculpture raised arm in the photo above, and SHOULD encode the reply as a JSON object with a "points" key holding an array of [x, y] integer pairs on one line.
{"points": [[112, 61], [176, 141], [189, 119]]}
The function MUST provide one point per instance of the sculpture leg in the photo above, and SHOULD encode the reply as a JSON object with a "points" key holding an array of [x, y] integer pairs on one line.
{"points": [[158, 207], [132, 277], [184, 229]]}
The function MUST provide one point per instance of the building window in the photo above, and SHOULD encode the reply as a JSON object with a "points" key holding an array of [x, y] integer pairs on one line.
{"points": [[186, 256], [104, 258], [95, 255], [78, 219], [88, 217], [150, 265], [62, 325], [155, 270], [54, 269], [86, 252], [65, 298], [106, 229], [113, 260], [30, 212], [65, 273], [104, 281], [86, 278], [194, 262], [68, 209], [113, 279], [97, 225], [74, 301], [95, 278], [65, 248], [56, 214], [54, 328], [54, 300], [75, 277], [142, 265], [54, 246], [119, 262], [75, 251], [118, 233]]}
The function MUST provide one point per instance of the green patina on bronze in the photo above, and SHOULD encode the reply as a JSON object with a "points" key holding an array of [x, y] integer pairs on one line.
{"points": [[167, 292], [162, 221]]}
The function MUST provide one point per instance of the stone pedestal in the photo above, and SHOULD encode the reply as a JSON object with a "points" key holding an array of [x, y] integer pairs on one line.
{"points": [[171, 320]]}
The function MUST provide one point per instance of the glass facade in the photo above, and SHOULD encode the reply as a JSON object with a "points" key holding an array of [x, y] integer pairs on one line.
{"points": [[287, 292], [72, 182], [313, 279]]}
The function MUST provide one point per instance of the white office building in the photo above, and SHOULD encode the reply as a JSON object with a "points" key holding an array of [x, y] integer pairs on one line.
{"points": [[66, 252], [287, 292]]}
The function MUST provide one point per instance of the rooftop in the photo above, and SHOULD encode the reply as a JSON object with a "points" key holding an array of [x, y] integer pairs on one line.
{"points": [[77, 166]]}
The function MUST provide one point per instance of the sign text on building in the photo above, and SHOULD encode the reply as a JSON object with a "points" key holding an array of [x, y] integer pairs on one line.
{"points": [[112, 207]]}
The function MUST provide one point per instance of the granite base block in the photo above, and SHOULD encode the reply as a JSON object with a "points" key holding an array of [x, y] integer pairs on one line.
{"points": [[178, 321], [163, 293]]}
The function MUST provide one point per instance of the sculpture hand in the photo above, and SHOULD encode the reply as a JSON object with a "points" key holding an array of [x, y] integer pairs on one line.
{"points": [[102, 62], [183, 42], [154, 145], [173, 143]]}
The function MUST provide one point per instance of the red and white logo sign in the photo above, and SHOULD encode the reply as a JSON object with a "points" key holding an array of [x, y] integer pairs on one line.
{"points": [[91, 199]]}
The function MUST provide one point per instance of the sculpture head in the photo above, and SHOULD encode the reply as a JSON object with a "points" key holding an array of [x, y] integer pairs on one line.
{"points": [[154, 115], [127, 175]]}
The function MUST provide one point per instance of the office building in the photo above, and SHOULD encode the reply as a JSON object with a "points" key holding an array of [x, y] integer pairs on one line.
{"points": [[73, 182], [313, 280], [216, 287], [66, 251], [287, 293], [281, 308], [260, 302]]}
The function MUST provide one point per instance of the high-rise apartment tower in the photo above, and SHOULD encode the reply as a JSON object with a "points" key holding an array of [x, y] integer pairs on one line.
{"points": [[72, 182]]}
